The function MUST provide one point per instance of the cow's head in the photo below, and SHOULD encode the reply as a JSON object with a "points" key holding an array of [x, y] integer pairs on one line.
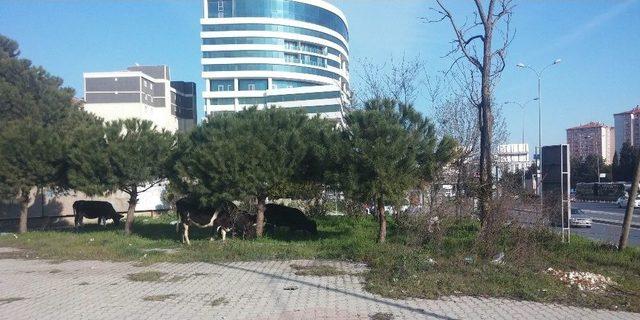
{"points": [[116, 218]]}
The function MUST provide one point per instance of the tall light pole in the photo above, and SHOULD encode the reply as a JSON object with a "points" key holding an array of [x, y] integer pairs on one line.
{"points": [[539, 160], [522, 107]]}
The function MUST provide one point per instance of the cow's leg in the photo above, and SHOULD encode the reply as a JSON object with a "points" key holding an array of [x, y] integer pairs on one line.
{"points": [[214, 231], [77, 221], [186, 234], [224, 234]]}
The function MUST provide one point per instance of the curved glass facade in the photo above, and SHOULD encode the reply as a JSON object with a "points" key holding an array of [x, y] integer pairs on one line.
{"points": [[257, 60], [283, 9], [276, 28], [270, 67]]}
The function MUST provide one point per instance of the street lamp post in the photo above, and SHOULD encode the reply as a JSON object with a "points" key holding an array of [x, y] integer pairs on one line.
{"points": [[539, 160], [522, 107]]}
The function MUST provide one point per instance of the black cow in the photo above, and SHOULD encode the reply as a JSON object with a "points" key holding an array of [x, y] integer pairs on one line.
{"points": [[191, 213], [281, 216], [244, 224], [95, 209]]}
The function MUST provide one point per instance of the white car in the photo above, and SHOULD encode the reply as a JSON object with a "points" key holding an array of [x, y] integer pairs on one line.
{"points": [[578, 220], [622, 202]]}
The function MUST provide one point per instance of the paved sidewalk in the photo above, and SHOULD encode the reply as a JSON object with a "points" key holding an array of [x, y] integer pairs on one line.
{"points": [[243, 290]]}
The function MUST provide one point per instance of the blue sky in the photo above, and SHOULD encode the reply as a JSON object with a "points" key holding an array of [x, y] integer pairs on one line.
{"points": [[598, 41]]}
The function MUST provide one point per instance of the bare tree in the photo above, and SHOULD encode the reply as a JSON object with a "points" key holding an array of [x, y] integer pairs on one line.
{"points": [[398, 79], [454, 99], [474, 42]]}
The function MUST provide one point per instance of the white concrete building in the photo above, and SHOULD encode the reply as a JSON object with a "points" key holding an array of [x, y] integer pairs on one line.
{"points": [[513, 157], [285, 53], [143, 92]]}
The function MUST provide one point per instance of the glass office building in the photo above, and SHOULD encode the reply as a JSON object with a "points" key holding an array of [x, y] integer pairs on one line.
{"points": [[285, 53]]}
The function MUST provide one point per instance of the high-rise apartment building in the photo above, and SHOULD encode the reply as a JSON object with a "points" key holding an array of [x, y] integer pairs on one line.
{"points": [[627, 126], [285, 53], [143, 92], [592, 139]]}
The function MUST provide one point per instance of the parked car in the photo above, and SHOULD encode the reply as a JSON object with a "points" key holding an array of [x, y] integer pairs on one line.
{"points": [[622, 202], [578, 219]]}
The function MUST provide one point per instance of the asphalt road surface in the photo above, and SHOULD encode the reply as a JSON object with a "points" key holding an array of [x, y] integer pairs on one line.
{"points": [[607, 222]]}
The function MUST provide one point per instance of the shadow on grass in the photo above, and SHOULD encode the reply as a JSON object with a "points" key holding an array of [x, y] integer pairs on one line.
{"points": [[161, 228]]}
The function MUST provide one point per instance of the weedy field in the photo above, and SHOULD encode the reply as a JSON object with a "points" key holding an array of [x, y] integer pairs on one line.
{"points": [[449, 265]]}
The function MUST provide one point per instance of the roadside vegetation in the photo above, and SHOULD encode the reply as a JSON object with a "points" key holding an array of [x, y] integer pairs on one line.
{"points": [[448, 262]]}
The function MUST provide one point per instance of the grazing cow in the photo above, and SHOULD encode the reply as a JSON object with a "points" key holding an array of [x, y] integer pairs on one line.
{"points": [[281, 216], [244, 225], [191, 213], [95, 209]]}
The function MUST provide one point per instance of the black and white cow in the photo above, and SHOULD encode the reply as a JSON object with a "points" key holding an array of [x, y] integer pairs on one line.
{"points": [[190, 213], [95, 209], [244, 225], [277, 215]]}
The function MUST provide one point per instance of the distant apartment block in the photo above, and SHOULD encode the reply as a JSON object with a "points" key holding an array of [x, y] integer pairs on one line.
{"points": [[143, 92], [627, 127], [513, 157], [592, 139]]}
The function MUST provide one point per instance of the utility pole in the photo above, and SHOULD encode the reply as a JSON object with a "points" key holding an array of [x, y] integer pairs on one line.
{"points": [[539, 75], [631, 203]]}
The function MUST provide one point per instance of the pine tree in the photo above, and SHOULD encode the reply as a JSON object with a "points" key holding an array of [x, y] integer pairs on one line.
{"points": [[37, 116], [253, 153], [137, 153], [392, 148]]}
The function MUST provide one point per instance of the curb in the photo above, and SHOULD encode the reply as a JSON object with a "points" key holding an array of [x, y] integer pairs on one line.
{"points": [[614, 222]]}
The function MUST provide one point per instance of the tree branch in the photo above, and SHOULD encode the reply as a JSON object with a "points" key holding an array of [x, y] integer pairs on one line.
{"points": [[459, 36]]}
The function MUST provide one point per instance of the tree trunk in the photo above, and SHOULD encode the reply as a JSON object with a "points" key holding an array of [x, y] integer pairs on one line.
{"points": [[486, 128], [624, 235], [133, 201], [382, 218], [25, 198], [260, 217]]}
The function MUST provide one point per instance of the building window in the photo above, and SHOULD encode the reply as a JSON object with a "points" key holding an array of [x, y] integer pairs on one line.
{"points": [[150, 85], [145, 83], [253, 84], [221, 85]]}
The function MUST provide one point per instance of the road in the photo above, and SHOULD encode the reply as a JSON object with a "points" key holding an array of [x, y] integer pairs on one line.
{"points": [[607, 222]]}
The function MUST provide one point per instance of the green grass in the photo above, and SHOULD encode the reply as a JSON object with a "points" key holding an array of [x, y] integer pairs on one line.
{"points": [[218, 302], [146, 276], [398, 269], [160, 297]]}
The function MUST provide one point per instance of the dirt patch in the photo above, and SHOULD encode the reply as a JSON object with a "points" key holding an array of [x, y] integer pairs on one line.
{"points": [[11, 299], [18, 254], [55, 271], [160, 297], [317, 270], [84, 283], [146, 276], [381, 316]]}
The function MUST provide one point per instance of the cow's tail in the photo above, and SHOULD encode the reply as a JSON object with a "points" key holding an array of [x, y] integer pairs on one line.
{"points": [[179, 222]]}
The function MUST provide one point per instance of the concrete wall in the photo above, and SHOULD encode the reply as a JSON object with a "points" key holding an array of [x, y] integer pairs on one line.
{"points": [[51, 208]]}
